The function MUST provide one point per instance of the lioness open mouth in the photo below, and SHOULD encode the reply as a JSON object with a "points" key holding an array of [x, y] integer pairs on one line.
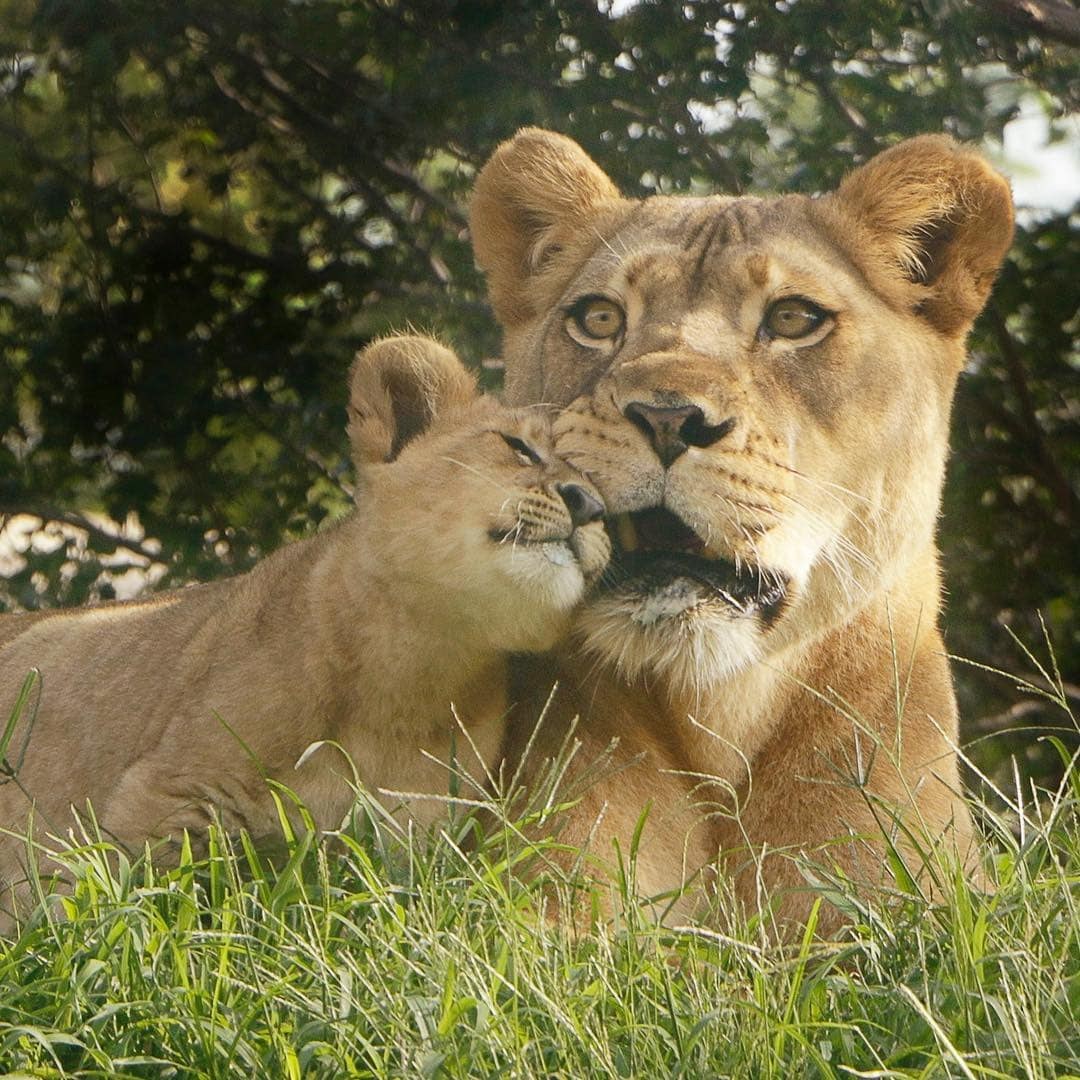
{"points": [[652, 549]]}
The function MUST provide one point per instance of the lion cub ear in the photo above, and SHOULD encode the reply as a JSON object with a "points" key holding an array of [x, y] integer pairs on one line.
{"points": [[397, 388], [937, 214], [535, 192]]}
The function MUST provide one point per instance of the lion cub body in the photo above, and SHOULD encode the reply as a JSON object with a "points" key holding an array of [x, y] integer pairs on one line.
{"points": [[473, 541]]}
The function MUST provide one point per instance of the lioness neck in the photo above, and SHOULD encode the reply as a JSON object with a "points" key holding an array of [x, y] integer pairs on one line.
{"points": [[716, 730]]}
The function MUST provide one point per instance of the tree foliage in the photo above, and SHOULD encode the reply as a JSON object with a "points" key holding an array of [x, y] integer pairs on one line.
{"points": [[205, 208]]}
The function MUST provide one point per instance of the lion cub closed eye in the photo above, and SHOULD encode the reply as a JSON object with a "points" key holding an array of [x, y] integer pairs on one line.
{"points": [[471, 539]]}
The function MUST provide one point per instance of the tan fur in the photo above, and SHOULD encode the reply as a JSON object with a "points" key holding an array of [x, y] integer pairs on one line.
{"points": [[817, 460], [166, 712]]}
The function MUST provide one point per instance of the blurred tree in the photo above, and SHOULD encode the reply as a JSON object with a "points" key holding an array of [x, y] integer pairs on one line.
{"points": [[205, 208]]}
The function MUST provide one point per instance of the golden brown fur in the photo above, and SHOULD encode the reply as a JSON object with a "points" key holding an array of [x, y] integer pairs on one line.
{"points": [[760, 389], [472, 539]]}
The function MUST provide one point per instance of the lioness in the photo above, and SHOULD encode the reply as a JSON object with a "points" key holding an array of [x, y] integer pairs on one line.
{"points": [[471, 539], [760, 388]]}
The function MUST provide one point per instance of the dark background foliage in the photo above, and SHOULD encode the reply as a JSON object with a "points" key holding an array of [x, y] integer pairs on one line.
{"points": [[205, 208]]}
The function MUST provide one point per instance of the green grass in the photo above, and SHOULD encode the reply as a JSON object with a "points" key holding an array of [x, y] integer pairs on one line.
{"points": [[383, 955], [379, 952]]}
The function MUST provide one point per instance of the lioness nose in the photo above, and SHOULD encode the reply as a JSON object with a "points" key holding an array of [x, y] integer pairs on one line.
{"points": [[673, 430], [583, 505]]}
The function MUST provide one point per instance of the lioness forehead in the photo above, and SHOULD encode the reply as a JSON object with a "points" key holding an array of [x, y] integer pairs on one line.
{"points": [[702, 240]]}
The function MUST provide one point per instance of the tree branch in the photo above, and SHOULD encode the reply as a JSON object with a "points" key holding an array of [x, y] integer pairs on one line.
{"points": [[305, 118], [1058, 483], [302, 454], [106, 539], [1057, 20], [852, 119]]}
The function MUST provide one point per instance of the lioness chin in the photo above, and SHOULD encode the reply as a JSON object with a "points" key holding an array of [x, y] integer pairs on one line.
{"points": [[760, 388], [471, 539]]}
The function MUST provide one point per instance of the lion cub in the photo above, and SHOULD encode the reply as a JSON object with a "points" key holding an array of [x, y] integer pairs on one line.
{"points": [[471, 540]]}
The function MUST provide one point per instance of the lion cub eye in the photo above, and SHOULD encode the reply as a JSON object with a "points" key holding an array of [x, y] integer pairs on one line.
{"points": [[792, 318], [597, 317], [526, 454]]}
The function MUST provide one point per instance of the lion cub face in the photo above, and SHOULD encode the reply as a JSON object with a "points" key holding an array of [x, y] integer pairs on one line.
{"points": [[512, 535], [760, 389]]}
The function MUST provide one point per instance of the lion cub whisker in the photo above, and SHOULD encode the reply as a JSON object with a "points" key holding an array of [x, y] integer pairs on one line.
{"points": [[478, 472]]}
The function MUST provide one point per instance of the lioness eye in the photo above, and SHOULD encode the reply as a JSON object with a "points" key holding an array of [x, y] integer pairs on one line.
{"points": [[792, 318], [526, 454], [597, 317]]}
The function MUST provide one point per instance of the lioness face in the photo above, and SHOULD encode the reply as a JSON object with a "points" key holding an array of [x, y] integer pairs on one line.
{"points": [[745, 404], [760, 389], [519, 535]]}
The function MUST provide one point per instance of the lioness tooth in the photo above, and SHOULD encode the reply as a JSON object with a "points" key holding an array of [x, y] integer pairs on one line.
{"points": [[626, 533]]}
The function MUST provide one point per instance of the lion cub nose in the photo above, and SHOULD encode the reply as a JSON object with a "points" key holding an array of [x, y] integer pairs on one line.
{"points": [[673, 430], [583, 505]]}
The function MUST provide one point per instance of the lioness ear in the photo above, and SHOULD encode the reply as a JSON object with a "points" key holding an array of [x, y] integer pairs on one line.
{"points": [[938, 215], [534, 192], [397, 387]]}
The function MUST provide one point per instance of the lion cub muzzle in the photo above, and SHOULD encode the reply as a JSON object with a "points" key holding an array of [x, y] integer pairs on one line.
{"points": [[560, 515], [583, 506]]}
